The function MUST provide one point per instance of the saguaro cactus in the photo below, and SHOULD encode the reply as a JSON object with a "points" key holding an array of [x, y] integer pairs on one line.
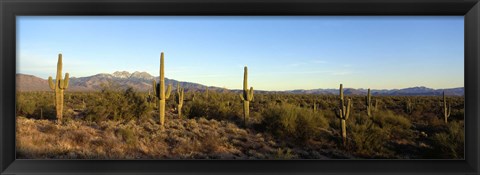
{"points": [[368, 102], [408, 106], [193, 96], [343, 113], [150, 98], [159, 90], [59, 87], [446, 110], [246, 97], [179, 100]]}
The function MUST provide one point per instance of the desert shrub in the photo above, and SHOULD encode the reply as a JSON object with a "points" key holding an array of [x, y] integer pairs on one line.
{"points": [[290, 121], [115, 104], [198, 109], [374, 136], [213, 108], [284, 154], [37, 105], [25, 106], [126, 135], [449, 144], [433, 121], [369, 139], [395, 125]]}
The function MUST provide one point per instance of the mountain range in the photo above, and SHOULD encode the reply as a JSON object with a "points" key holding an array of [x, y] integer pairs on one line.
{"points": [[142, 81]]}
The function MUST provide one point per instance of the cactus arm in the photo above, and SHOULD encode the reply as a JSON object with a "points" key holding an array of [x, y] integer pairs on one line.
{"points": [[169, 90], [155, 92], [66, 80], [241, 97], [349, 105], [250, 94], [50, 82]]}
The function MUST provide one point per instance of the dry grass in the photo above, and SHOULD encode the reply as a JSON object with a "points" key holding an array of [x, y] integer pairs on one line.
{"points": [[180, 139]]}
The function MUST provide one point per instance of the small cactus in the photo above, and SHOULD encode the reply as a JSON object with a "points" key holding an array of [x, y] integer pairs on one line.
{"points": [[246, 97], [150, 98], [179, 100], [343, 113], [159, 91], [446, 110], [408, 106], [368, 102], [59, 86]]}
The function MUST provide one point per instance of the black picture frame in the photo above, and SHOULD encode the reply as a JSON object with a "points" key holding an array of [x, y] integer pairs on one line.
{"points": [[9, 9]]}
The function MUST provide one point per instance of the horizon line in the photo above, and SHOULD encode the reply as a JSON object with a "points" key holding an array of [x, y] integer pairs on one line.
{"points": [[360, 88]]}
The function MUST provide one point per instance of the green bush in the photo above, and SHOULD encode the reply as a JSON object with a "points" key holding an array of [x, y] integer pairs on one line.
{"points": [[395, 125], [115, 104], [290, 121], [219, 106], [126, 135], [449, 144], [37, 105], [369, 139], [373, 137]]}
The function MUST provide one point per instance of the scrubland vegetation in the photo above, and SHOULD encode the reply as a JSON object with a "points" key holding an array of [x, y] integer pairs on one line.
{"points": [[119, 123]]}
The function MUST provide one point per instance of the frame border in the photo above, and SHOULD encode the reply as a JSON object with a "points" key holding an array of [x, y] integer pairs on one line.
{"points": [[9, 9]]}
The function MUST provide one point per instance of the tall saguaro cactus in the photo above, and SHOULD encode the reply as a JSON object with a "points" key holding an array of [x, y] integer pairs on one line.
{"points": [[343, 113], [446, 110], [179, 100], [368, 102], [59, 87], [246, 97], [159, 91]]}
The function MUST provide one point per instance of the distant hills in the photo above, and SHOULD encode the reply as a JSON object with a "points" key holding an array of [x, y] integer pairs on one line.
{"points": [[412, 91], [142, 81]]}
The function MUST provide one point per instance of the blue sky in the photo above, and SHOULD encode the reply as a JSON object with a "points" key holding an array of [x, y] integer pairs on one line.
{"points": [[282, 53]]}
